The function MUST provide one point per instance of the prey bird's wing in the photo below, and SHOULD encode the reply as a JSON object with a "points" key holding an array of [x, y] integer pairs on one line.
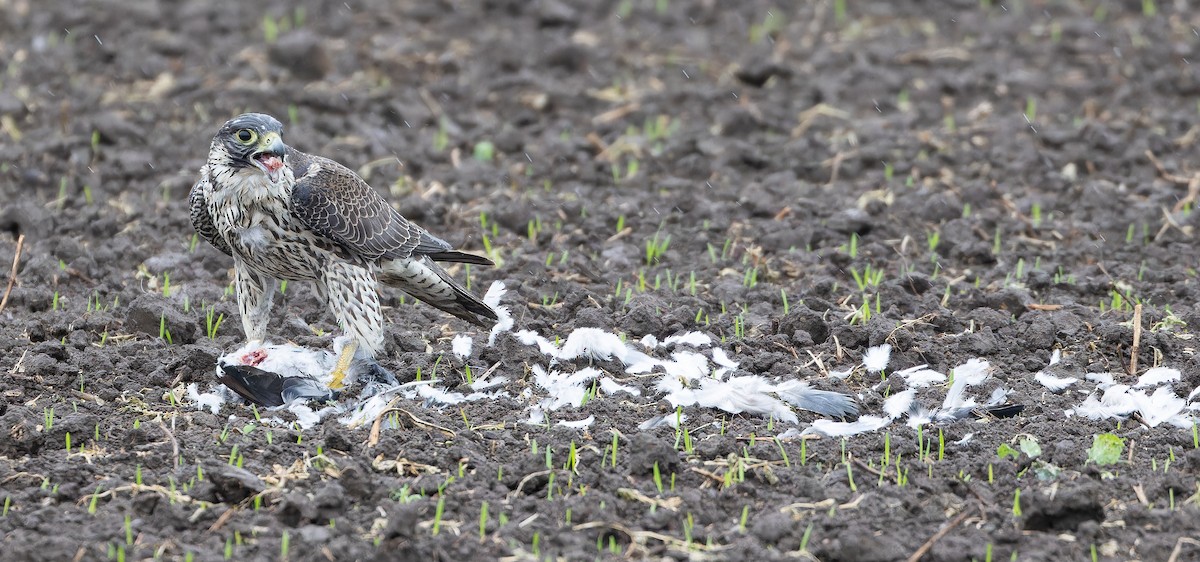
{"points": [[201, 220], [338, 205]]}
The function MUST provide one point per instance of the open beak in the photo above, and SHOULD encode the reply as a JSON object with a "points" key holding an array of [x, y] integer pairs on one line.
{"points": [[270, 156]]}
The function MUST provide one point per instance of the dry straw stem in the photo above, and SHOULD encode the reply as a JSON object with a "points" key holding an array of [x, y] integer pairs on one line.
{"points": [[945, 530], [1137, 339], [12, 275]]}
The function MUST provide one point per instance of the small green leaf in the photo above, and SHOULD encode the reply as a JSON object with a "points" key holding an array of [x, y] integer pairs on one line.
{"points": [[485, 151], [1030, 447], [1045, 471], [1106, 449], [1005, 451]]}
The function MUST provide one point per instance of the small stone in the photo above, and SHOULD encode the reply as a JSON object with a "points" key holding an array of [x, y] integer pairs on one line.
{"points": [[295, 508], [233, 484], [302, 53]]}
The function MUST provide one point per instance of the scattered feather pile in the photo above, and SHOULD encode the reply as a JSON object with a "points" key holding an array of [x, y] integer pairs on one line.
{"points": [[957, 403], [296, 379], [684, 370], [1111, 400], [685, 375]]}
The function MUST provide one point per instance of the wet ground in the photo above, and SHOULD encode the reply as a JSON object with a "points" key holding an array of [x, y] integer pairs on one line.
{"points": [[799, 182]]}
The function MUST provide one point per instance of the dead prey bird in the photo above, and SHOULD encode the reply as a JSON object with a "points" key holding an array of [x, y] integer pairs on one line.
{"points": [[282, 214], [274, 375]]}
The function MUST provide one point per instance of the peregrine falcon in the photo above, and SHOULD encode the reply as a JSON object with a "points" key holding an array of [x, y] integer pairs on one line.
{"points": [[282, 214]]}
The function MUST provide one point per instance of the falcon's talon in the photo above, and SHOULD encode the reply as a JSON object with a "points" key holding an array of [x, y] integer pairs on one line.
{"points": [[282, 214], [338, 377], [336, 380]]}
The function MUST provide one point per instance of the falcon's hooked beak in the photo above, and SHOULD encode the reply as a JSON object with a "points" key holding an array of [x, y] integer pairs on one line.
{"points": [[270, 155]]}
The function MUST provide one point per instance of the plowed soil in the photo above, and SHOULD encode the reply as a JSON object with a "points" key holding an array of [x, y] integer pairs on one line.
{"points": [[956, 179]]}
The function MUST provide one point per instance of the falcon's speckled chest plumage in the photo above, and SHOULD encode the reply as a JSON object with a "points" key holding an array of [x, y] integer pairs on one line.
{"points": [[286, 215], [252, 215]]}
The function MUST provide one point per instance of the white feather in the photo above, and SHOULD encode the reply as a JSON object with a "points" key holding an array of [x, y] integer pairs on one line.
{"points": [[528, 337], [974, 370], [671, 420], [593, 343], [687, 365], [1053, 383], [694, 339], [971, 373], [211, 400], [578, 424], [1160, 406], [1183, 421], [306, 416], [563, 389], [1055, 357], [504, 321], [637, 363], [830, 428], [999, 395], [801, 395], [748, 394], [1102, 380], [841, 374], [494, 293], [1157, 376], [737, 395], [721, 358], [368, 409], [920, 416], [876, 358], [1115, 403], [461, 345], [439, 396], [486, 383], [789, 433], [668, 385], [899, 404], [921, 376], [610, 387]]}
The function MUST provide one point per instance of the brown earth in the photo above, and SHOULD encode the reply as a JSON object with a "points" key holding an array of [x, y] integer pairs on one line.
{"points": [[1018, 172]]}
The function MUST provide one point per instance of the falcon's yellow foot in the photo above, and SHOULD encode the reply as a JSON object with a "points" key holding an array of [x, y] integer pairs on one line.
{"points": [[343, 365]]}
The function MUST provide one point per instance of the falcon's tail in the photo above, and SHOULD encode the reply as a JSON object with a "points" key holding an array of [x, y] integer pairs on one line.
{"points": [[460, 257], [420, 277]]}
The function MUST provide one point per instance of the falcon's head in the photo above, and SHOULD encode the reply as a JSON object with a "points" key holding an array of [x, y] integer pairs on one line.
{"points": [[252, 140]]}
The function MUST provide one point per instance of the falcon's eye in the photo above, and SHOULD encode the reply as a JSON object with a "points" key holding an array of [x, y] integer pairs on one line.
{"points": [[246, 136]]}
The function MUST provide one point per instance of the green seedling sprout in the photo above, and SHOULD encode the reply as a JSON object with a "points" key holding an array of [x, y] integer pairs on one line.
{"points": [[483, 517], [437, 515]]}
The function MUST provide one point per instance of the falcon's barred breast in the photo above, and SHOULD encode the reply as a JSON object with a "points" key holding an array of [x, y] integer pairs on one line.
{"points": [[286, 215]]}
